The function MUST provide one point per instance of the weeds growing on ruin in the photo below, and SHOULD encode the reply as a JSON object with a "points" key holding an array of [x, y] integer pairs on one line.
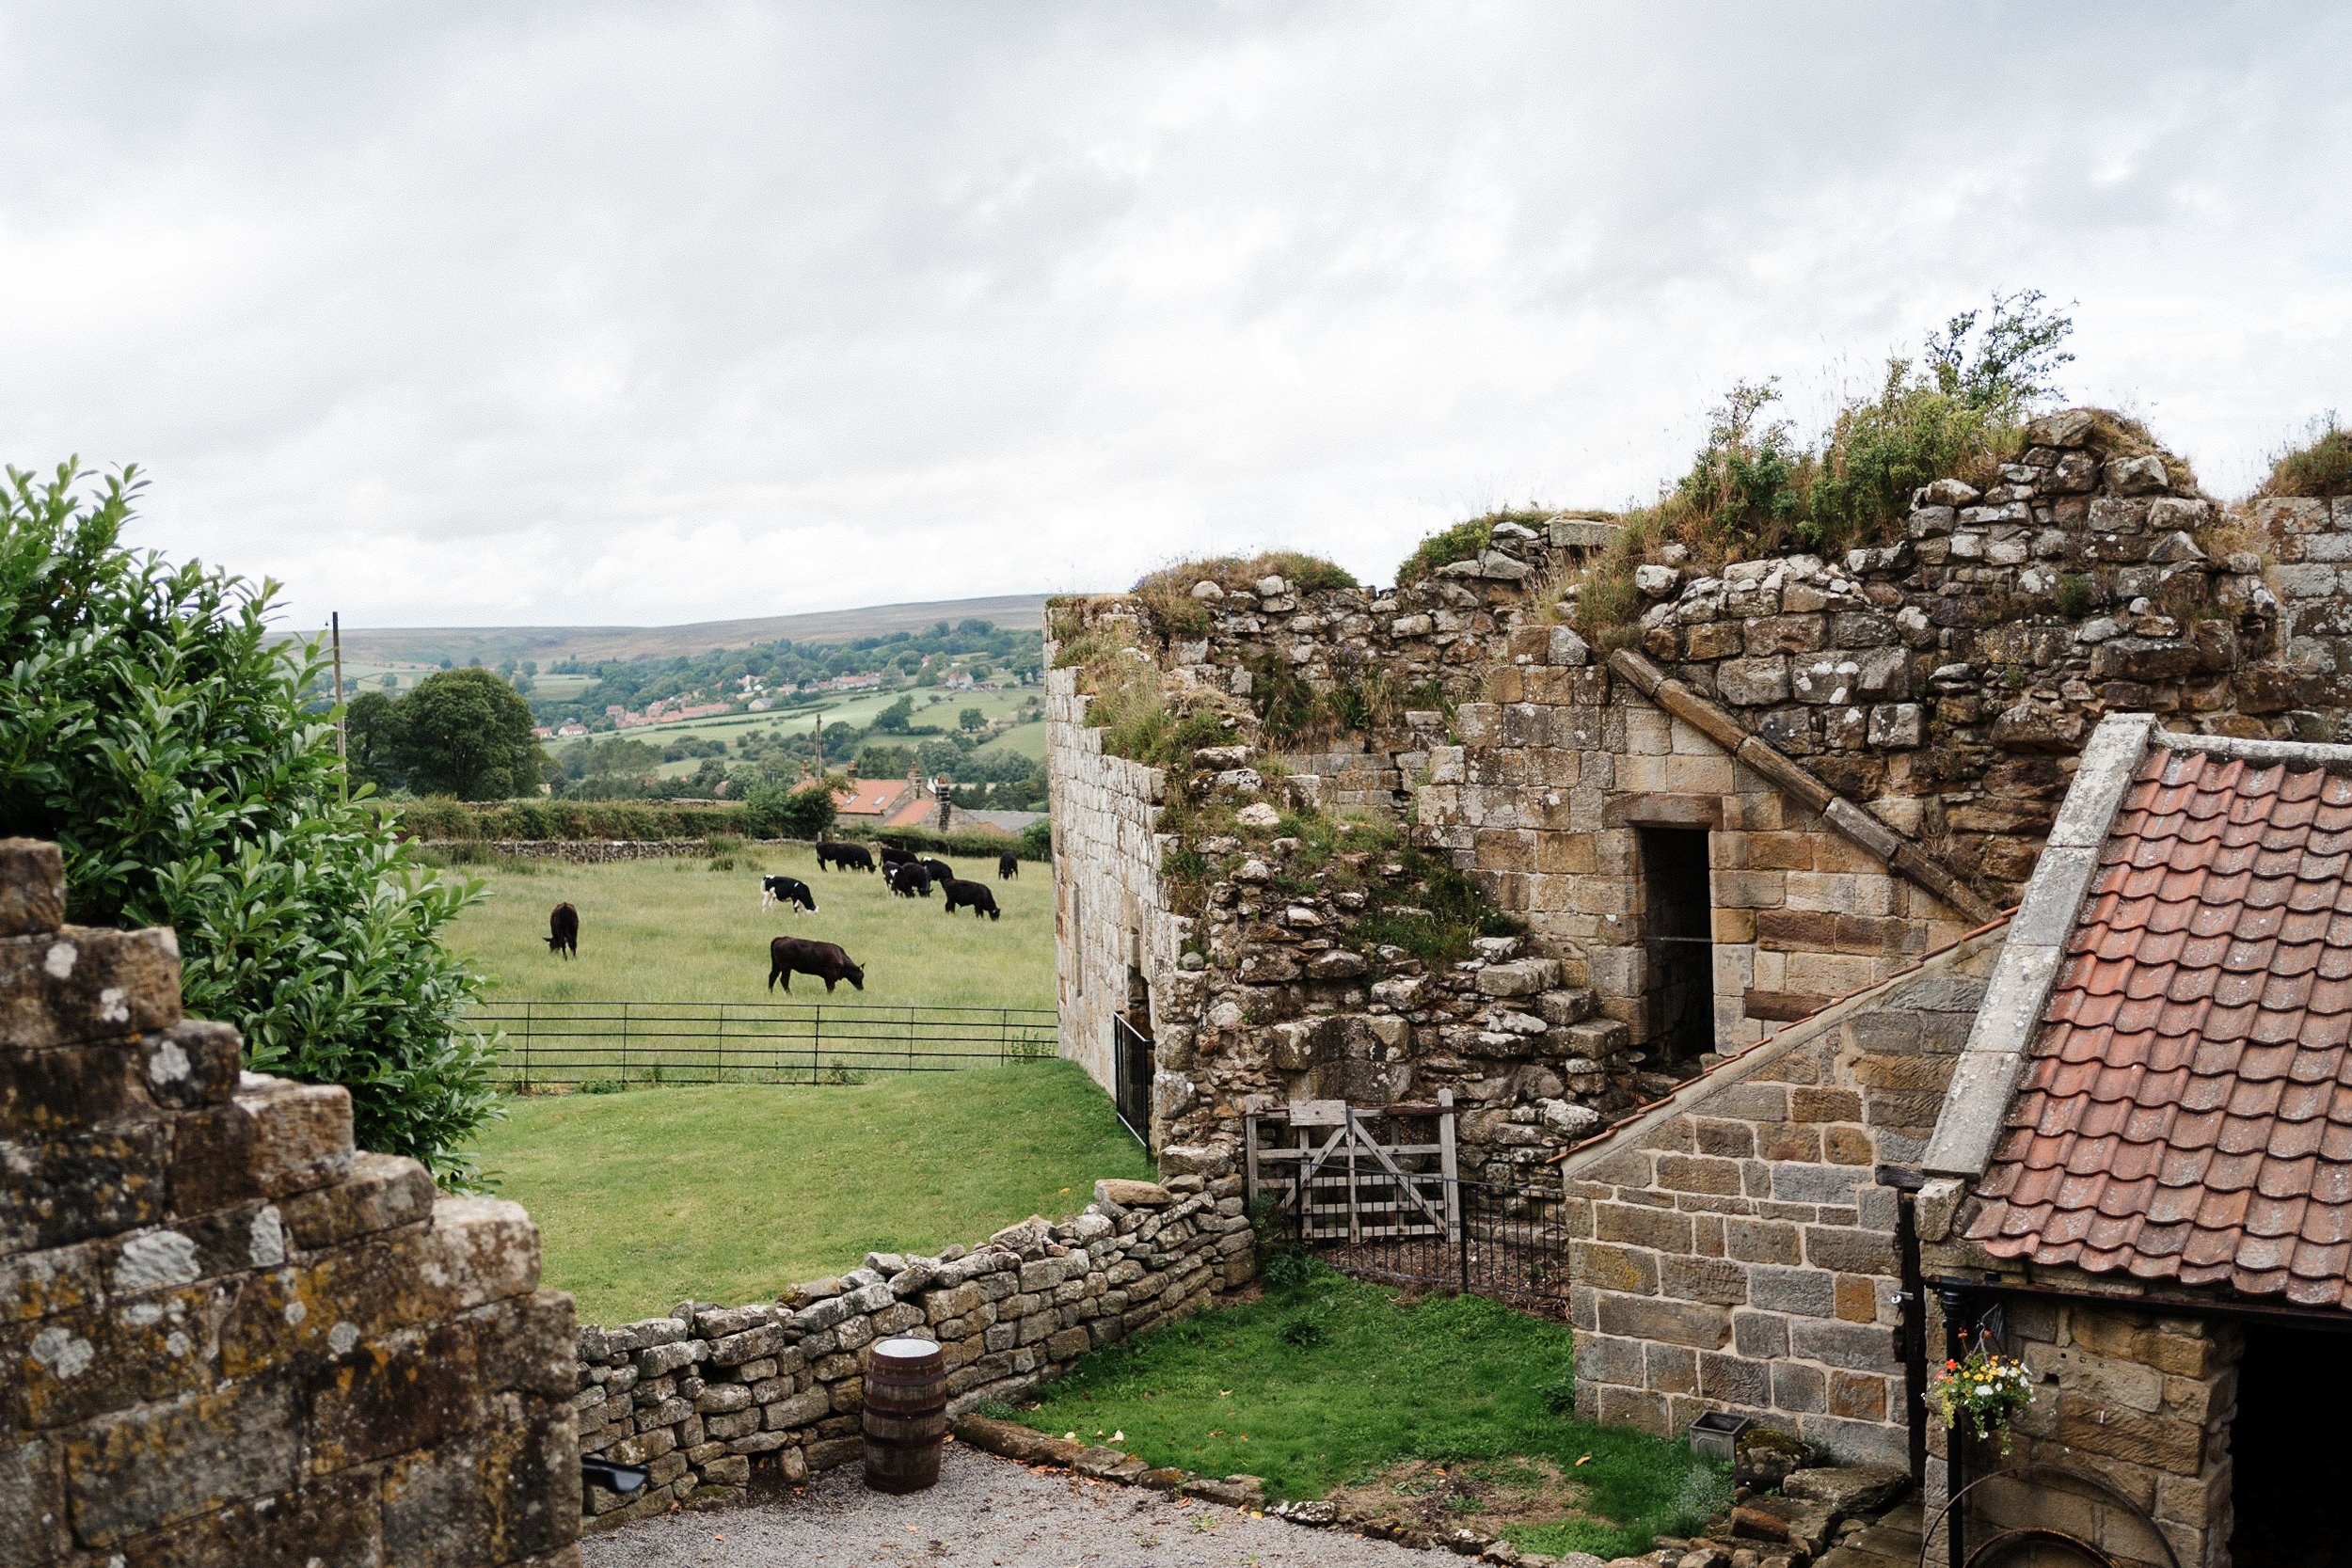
{"points": [[2322, 466], [1756, 487]]}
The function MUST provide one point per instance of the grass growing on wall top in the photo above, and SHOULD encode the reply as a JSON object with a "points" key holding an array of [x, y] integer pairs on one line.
{"points": [[2321, 465], [731, 1193], [674, 930], [1330, 1382]]}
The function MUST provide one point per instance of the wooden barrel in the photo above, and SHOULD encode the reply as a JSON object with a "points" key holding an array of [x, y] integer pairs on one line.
{"points": [[906, 1414]]}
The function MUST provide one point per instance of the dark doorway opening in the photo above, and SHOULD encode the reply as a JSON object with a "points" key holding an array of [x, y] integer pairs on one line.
{"points": [[1679, 938], [2286, 1449], [1133, 1050]]}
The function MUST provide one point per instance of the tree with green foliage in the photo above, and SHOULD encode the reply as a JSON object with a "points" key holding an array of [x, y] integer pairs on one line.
{"points": [[896, 719], [372, 727], [156, 727], [467, 732], [971, 719], [804, 811]]}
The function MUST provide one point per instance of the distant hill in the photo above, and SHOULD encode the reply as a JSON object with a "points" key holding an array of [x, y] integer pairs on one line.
{"points": [[546, 644]]}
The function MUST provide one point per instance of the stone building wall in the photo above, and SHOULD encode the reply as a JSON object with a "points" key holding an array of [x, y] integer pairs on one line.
{"points": [[702, 1395], [1734, 1249], [2140, 1396], [229, 1338]]}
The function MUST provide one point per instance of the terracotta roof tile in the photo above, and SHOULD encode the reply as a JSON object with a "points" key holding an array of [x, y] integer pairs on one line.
{"points": [[2186, 1114]]}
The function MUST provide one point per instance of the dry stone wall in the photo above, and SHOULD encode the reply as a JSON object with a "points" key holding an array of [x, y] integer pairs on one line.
{"points": [[704, 1394], [2311, 539], [229, 1338], [1735, 1250]]}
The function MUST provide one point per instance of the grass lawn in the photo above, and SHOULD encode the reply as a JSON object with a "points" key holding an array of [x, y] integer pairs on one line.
{"points": [[729, 1193], [1451, 1404], [674, 930], [1026, 741]]}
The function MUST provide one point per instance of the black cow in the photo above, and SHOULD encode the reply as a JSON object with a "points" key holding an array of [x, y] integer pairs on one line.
{"points": [[790, 956], [909, 881], [975, 895], [1008, 865], [848, 857], [892, 855], [786, 890], [939, 871], [563, 930]]}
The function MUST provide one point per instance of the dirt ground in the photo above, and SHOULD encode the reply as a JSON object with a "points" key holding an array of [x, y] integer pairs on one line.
{"points": [[987, 1512], [1485, 1495]]}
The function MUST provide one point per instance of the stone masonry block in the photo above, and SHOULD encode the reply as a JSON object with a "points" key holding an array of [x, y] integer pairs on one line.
{"points": [[383, 1191], [80, 983], [146, 1467], [272, 1138], [1699, 1325], [32, 887]]}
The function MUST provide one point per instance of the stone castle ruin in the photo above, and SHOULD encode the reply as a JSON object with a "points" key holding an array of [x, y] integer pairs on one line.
{"points": [[1795, 778], [1871, 949]]}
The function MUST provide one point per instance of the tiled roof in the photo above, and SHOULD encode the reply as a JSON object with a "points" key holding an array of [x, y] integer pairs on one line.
{"points": [[869, 797], [2186, 1112]]}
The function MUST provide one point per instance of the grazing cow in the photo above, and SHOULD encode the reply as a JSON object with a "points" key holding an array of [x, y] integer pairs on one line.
{"points": [[892, 855], [975, 894], [786, 890], [848, 857], [1008, 865], [790, 956], [563, 930], [910, 881], [939, 871]]}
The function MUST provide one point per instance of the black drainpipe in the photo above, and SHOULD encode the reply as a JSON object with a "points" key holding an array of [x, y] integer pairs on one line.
{"points": [[1954, 1298], [1915, 1309]]}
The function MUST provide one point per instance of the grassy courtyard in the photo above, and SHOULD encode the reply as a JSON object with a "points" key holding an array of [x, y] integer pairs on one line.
{"points": [[674, 930], [1446, 1410], [731, 1193]]}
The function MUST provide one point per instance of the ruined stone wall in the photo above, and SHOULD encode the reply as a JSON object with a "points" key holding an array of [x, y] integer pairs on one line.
{"points": [[1118, 942], [230, 1339], [1735, 1250], [703, 1394], [2312, 543], [1948, 680]]}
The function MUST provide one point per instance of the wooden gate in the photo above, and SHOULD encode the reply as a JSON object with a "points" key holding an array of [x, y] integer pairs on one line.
{"points": [[1332, 1175]]}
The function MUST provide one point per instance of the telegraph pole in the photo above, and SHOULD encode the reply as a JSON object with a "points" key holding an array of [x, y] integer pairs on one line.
{"points": [[342, 729]]}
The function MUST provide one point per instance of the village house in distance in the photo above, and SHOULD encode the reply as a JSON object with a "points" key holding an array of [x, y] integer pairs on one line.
{"points": [[1948, 936]]}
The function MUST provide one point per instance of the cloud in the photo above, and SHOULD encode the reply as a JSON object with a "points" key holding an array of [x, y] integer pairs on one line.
{"points": [[626, 314]]}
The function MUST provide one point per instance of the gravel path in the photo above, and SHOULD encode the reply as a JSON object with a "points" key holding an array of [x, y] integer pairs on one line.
{"points": [[987, 1512]]}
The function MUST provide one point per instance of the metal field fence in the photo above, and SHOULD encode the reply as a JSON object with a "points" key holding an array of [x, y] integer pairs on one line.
{"points": [[553, 1044]]}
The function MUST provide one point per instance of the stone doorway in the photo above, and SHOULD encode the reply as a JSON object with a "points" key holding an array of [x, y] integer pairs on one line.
{"points": [[1678, 938], [2286, 1449]]}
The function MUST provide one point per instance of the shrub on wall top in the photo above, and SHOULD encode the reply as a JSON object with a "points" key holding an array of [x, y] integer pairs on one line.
{"points": [[156, 728]]}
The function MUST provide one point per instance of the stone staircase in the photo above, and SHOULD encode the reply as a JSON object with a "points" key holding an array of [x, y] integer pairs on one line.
{"points": [[1894, 1542]]}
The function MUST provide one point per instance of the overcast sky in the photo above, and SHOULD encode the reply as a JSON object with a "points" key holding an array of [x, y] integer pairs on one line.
{"points": [[507, 313]]}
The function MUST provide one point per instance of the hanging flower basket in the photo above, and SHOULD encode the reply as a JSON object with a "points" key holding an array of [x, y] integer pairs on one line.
{"points": [[1983, 1391]]}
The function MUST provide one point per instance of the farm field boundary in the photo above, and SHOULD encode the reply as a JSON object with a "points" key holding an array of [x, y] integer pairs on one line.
{"points": [[568, 1043]]}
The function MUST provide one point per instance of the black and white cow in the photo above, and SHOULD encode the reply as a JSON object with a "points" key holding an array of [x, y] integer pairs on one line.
{"points": [[909, 881], [786, 890]]}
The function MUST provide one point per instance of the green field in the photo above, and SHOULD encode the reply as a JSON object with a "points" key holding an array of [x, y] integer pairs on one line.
{"points": [[936, 708], [674, 930], [729, 1193]]}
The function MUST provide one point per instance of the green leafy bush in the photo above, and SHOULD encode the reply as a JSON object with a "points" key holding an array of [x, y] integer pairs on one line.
{"points": [[158, 729], [777, 810]]}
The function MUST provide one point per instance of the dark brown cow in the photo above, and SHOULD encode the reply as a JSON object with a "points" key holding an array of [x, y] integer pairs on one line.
{"points": [[974, 895], [790, 956], [849, 857], [1008, 865], [563, 930]]}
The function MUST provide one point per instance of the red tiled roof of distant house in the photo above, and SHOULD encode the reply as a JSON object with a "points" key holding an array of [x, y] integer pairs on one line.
{"points": [[868, 797], [2186, 1108], [915, 813]]}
